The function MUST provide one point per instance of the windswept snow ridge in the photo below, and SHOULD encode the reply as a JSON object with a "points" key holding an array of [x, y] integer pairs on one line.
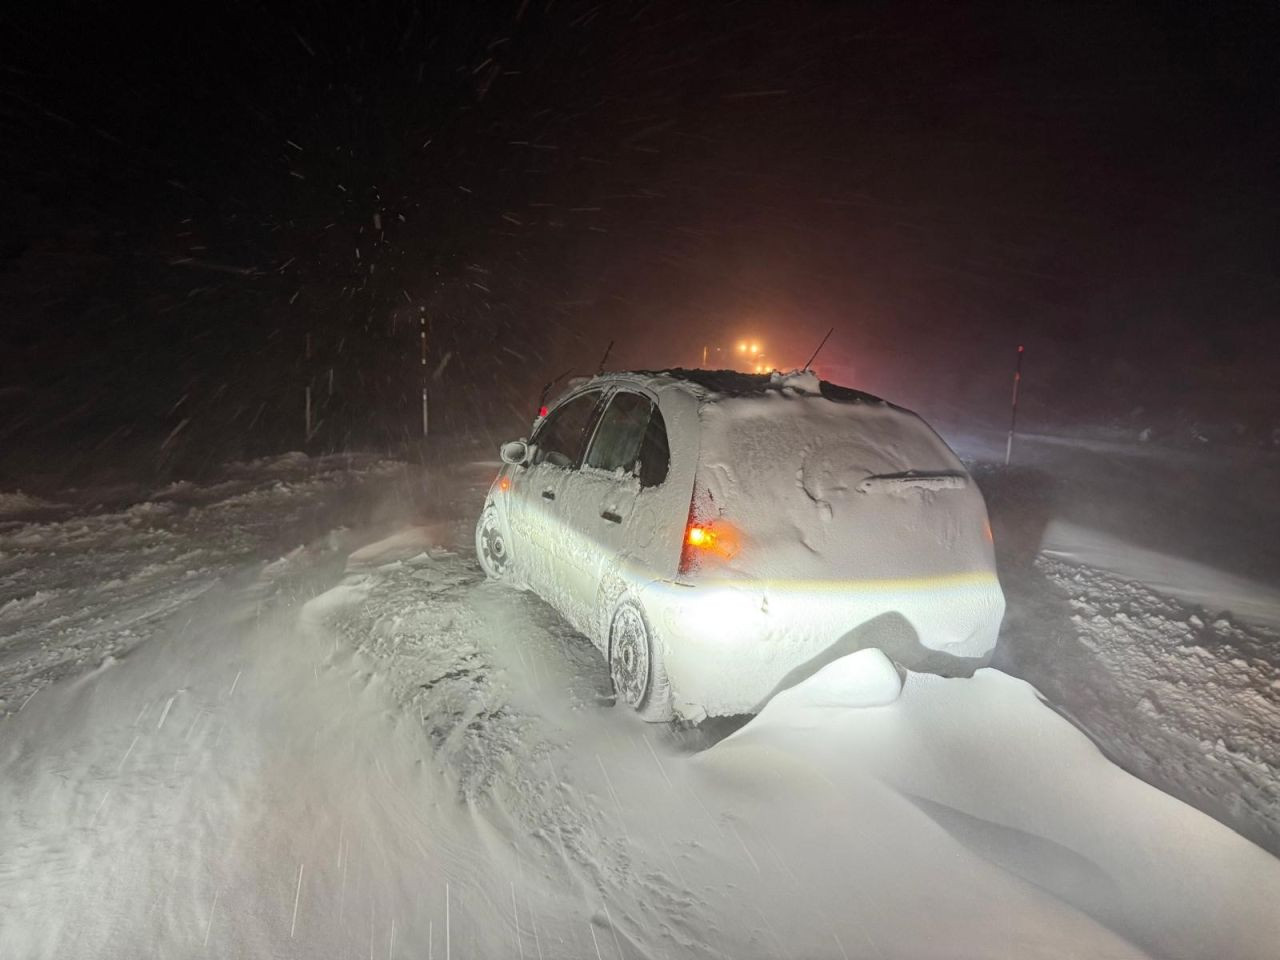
{"points": [[1189, 705], [81, 583], [17, 504], [1145, 617]]}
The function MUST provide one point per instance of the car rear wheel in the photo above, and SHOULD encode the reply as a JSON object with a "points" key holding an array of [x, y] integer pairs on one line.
{"points": [[491, 545], [635, 664]]}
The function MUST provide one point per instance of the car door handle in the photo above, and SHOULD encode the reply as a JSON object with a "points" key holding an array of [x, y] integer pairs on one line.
{"points": [[611, 516], [548, 494]]}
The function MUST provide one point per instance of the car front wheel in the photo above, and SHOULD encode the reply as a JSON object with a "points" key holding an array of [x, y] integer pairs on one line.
{"points": [[492, 549]]}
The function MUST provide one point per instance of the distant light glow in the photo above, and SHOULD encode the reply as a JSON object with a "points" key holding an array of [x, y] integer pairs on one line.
{"points": [[742, 346], [504, 483]]}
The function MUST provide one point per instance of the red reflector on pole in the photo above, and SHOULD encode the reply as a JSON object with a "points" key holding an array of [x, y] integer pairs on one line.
{"points": [[1013, 413]]}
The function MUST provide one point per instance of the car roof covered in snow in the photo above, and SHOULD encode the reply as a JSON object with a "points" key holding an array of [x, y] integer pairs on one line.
{"points": [[711, 385]]}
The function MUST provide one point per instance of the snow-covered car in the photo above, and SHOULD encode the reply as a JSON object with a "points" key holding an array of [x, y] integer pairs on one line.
{"points": [[720, 536]]}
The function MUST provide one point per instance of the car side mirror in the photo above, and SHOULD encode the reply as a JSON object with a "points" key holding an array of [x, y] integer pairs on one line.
{"points": [[515, 452]]}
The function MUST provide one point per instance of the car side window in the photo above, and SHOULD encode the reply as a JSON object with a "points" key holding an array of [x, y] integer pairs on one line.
{"points": [[655, 453], [617, 441], [560, 438]]}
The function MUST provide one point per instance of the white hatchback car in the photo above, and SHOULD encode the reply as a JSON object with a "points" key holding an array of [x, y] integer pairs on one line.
{"points": [[720, 536]]}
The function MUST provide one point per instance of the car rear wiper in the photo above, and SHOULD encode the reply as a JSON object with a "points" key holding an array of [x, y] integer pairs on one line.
{"points": [[912, 480]]}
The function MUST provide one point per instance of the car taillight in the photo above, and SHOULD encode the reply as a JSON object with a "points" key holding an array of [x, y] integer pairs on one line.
{"points": [[700, 536], [707, 535], [692, 550]]}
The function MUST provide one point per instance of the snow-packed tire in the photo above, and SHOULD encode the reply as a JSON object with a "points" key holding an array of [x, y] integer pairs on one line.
{"points": [[635, 664], [492, 549]]}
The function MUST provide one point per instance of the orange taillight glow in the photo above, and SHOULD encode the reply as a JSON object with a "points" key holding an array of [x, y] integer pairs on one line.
{"points": [[699, 537], [707, 543], [708, 537]]}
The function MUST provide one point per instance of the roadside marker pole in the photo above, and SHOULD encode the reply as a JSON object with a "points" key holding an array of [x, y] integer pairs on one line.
{"points": [[422, 320], [1013, 415], [307, 372]]}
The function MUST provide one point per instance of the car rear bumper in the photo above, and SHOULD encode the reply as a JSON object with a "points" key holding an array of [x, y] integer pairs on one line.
{"points": [[728, 647]]}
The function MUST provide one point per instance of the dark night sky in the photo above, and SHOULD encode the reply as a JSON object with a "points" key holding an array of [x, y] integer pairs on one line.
{"points": [[188, 193]]}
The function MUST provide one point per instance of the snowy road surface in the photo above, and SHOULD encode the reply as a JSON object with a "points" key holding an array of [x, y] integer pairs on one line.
{"points": [[376, 753]]}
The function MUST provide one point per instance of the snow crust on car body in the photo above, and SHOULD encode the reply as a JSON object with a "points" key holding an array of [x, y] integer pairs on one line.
{"points": [[849, 524], [841, 522], [565, 551]]}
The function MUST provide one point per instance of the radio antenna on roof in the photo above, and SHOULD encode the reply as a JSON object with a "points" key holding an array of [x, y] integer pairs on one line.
{"points": [[542, 397], [820, 346], [604, 358]]}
